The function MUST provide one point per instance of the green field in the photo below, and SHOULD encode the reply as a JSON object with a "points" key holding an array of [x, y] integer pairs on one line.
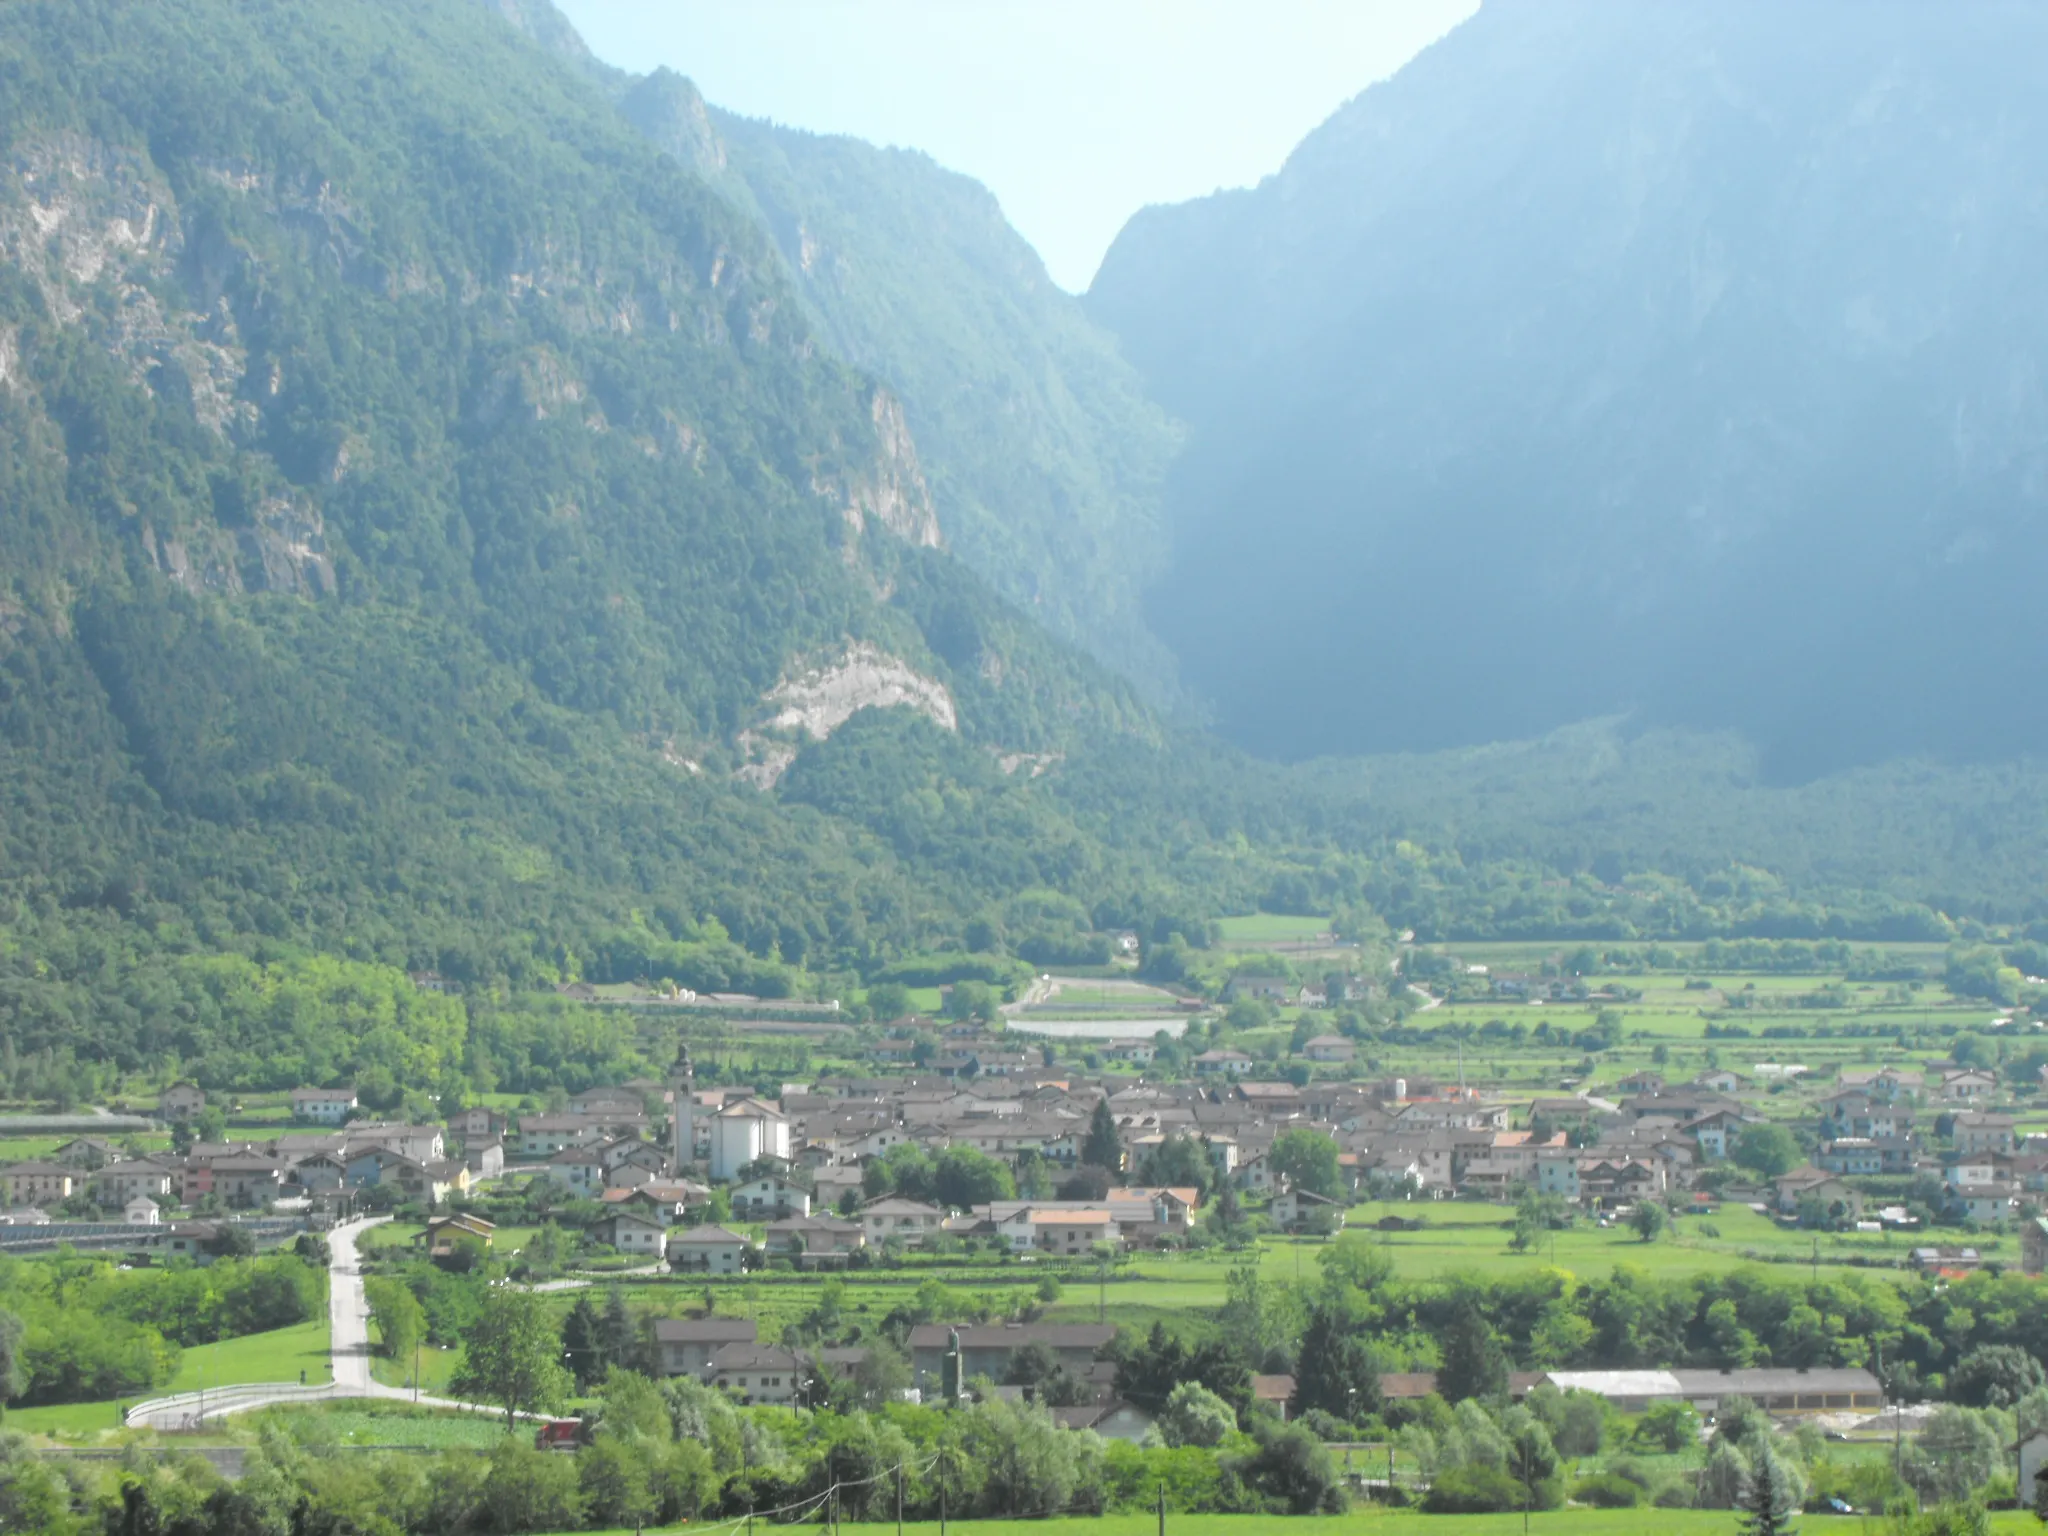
{"points": [[398, 1426], [1271, 928], [275, 1356]]}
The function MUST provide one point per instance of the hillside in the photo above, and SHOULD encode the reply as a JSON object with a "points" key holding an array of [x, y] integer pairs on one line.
{"points": [[1045, 456], [429, 519], [1675, 361]]}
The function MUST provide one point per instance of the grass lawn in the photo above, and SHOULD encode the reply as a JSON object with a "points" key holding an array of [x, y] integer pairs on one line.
{"points": [[275, 1356]]}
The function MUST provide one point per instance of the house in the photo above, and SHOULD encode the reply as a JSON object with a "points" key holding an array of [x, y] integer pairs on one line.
{"points": [[39, 1183], [608, 1101], [1977, 1131], [629, 1232], [1229, 1063], [444, 1234], [1557, 1173], [1968, 1083], [181, 1101], [322, 1173], [247, 1182], [580, 1170], [323, 1106], [815, 1242], [477, 1122], [686, 1344], [1295, 1208], [484, 1156], [1720, 1080], [1065, 1232], [1269, 989], [2034, 1249], [139, 1179], [1274, 1394], [757, 1373], [541, 1136], [908, 1221], [421, 1143], [86, 1152], [986, 1348], [1850, 1156], [194, 1241], [633, 1152], [770, 1195], [1810, 1182], [1114, 1420], [706, 1250], [141, 1212]]}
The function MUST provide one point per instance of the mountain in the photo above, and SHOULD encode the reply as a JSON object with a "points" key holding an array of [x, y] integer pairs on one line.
{"points": [[1679, 362], [1046, 457], [431, 528]]}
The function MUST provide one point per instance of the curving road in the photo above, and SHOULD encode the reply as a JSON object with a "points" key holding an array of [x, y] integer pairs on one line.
{"points": [[348, 1319]]}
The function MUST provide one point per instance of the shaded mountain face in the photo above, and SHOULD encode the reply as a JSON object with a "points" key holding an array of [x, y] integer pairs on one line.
{"points": [[1680, 360]]}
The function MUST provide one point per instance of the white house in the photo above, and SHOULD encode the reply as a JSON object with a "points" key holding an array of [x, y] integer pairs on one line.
{"points": [[770, 1197], [911, 1221], [630, 1232], [323, 1106], [1329, 1048], [706, 1250], [141, 1212]]}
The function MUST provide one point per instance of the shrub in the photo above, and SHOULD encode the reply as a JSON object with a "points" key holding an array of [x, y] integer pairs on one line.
{"points": [[1473, 1490], [1607, 1490]]}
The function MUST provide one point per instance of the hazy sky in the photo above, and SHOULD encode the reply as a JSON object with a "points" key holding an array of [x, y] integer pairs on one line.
{"points": [[1075, 112]]}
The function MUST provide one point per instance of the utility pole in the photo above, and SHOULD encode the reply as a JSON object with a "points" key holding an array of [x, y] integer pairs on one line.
{"points": [[415, 1371], [1162, 1509], [899, 1499]]}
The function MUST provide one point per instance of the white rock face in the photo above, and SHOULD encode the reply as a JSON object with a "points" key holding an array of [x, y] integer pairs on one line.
{"points": [[816, 702]]}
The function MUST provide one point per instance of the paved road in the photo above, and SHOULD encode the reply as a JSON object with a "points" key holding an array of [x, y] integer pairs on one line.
{"points": [[348, 1313], [348, 1318]]}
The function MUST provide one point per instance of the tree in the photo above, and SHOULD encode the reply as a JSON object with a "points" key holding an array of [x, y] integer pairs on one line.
{"points": [[1102, 1147], [1308, 1161], [1195, 1416], [1474, 1365], [1293, 1471], [1087, 1182], [964, 1176], [1995, 1376], [1036, 1368], [1958, 1451], [1179, 1162], [1337, 1371], [397, 1312], [1648, 1219], [1772, 1497], [13, 1374], [1767, 1149], [512, 1356]]}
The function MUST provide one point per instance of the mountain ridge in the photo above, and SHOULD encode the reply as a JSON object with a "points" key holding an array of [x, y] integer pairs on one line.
{"points": [[1655, 360]]}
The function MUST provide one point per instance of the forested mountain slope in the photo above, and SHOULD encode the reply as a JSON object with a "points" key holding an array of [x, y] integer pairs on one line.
{"points": [[1681, 360], [1046, 457], [427, 516]]}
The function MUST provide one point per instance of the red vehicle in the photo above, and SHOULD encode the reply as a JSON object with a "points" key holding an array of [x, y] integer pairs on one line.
{"points": [[557, 1435]]}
